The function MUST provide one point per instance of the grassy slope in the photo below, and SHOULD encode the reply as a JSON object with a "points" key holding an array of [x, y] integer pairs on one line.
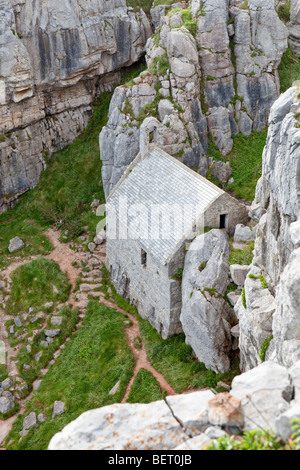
{"points": [[289, 70], [87, 369], [65, 191], [32, 286], [171, 357], [246, 162], [174, 359], [145, 388]]}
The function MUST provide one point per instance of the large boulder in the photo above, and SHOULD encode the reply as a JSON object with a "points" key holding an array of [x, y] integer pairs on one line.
{"points": [[265, 393], [205, 312], [286, 324], [294, 27], [155, 426], [7, 404], [243, 234], [15, 244], [255, 310]]}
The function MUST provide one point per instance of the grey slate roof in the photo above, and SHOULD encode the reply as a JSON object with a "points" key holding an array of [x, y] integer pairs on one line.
{"points": [[153, 182]]}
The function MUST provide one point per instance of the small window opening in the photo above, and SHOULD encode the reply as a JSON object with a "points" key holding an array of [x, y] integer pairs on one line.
{"points": [[144, 258], [151, 137], [223, 221]]}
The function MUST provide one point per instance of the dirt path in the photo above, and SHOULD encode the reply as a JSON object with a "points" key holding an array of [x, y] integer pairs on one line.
{"points": [[140, 355], [66, 258]]}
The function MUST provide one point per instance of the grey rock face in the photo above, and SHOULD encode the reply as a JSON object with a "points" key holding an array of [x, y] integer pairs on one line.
{"points": [[139, 427], [294, 28], [195, 443], [275, 311], [58, 409], [42, 418], [191, 409], [154, 426], [286, 322], [204, 314], [265, 392], [57, 320], [55, 58], [7, 404], [243, 234], [30, 421], [15, 244], [255, 321], [283, 422], [52, 333], [235, 98], [294, 372], [6, 384], [239, 273]]}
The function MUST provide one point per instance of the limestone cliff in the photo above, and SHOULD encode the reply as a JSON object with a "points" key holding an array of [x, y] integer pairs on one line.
{"points": [[55, 57], [271, 305], [212, 68], [294, 27]]}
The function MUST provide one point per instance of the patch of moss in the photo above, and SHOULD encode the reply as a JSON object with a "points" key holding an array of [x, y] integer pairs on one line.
{"points": [[264, 348], [244, 298]]}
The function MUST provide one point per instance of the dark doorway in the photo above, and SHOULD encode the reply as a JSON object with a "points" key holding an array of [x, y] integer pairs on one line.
{"points": [[223, 220], [144, 258]]}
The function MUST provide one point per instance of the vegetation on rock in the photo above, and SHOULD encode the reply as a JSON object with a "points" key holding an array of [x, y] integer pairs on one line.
{"points": [[83, 375]]}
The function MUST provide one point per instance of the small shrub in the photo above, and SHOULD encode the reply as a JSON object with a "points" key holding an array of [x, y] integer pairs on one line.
{"points": [[284, 12], [264, 348], [178, 275], [202, 266], [244, 298], [263, 282]]}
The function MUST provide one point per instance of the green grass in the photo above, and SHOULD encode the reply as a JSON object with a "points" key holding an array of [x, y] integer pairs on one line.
{"points": [[264, 347], [3, 372], [243, 295], [87, 369], [137, 4], [145, 388], [289, 70], [64, 194], [246, 162], [259, 439], [68, 325], [243, 257], [174, 359], [65, 191], [32, 286], [284, 12]]}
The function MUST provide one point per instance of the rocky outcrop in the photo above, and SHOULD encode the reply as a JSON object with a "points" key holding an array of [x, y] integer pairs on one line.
{"points": [[54, 59], [159, 425], [286, 323], [259, 399], [294, 27], [272, 312], [265, 393], [212, 70], [205, 314]]}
